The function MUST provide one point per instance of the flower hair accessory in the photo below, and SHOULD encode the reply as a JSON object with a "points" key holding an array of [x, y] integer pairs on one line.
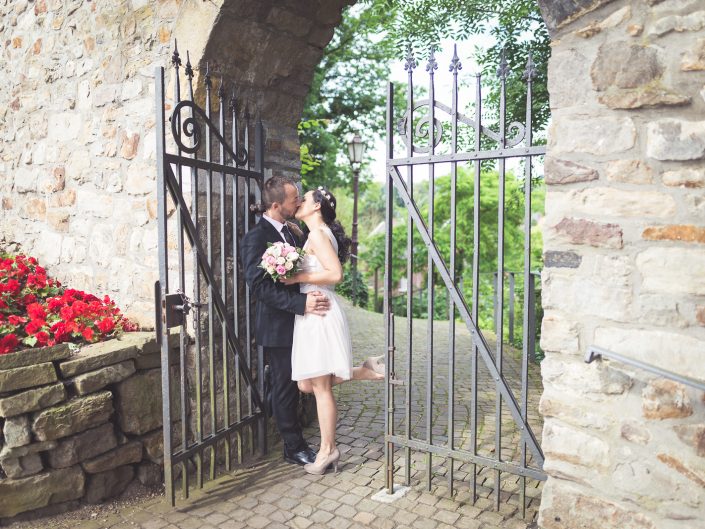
{"points": [[327, 195]]}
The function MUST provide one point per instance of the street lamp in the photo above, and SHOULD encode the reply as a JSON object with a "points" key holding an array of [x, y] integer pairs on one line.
{"points": [[356, 149]]}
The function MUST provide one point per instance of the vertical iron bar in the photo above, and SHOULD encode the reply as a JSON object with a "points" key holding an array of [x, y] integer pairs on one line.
{"points": [[197, 297], [211, 288], [527, 330], [502, 74], [176, 62], [236, 275], [476, 274], [430, 68], [455, 66], [389, 338], [511, 307], [164, 281], [246, 144], [409, 67], [223, 277], [259, 167]]}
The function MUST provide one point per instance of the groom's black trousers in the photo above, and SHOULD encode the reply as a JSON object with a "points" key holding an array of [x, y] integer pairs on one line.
{"points": [[285, 397]]}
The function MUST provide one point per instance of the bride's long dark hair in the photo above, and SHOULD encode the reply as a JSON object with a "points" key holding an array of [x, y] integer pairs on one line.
{"points": [[327, 201]]}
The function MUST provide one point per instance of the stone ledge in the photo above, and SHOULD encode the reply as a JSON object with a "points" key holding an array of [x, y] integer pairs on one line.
{"points": [[39, 355], [98, 355], [75, 416], [40, 490], [32, 400], [27, 377]]}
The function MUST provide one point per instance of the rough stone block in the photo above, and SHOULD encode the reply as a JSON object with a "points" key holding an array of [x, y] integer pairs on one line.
{"points": [[611, 202], [580, 415], [22, 451], [629, 171], [150, 474], [675, 139], [21, 467], [688, 233], [693, 21], [566, 172], [17, 432], [108, 484], [555, 259], [622, 64], [643, 97], [122, 455], [694, 58], [575, 446], [583, 231], [40, 355], [27, 377], [672, 270], [77, 448], [693, 435], [559, 334], [635, 432], [95, 380], [564, 507], [40, 490], [154, 446], [72, 417], [96, 356], [665, 399], [138, 402], [685, 177], [32, 400], [696, 475], [593, 135]]}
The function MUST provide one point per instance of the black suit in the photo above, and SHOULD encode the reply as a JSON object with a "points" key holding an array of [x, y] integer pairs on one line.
{"points": [[276, 306]]}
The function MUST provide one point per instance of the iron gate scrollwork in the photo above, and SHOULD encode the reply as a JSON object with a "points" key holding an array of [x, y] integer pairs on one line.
{"points": [[422, 131], [211, 397]]}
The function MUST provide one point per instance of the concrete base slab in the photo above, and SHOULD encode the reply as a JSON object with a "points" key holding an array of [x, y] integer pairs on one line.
{"points": [[383, 495]]}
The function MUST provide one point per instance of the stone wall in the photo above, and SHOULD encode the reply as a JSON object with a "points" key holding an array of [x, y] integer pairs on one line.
{"points": [[625, 264], [77, 128], [79, 427]]}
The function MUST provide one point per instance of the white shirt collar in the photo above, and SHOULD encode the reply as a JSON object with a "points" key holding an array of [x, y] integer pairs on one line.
{"points": [[277, 225]]}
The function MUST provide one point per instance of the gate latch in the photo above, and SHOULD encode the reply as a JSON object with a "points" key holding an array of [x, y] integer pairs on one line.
{"points": [[175, 308]]}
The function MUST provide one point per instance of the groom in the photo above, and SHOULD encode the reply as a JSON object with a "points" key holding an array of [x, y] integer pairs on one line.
{"points": [[277, 304]]}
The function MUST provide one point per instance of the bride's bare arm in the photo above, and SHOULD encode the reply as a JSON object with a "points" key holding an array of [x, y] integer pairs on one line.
{"points": [[319, 244]]}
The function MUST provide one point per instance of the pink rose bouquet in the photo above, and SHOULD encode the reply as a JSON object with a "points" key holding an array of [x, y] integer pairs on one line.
{"points": [[281, 260]]}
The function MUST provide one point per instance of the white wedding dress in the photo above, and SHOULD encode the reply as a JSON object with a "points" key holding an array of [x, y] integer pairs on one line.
{"points": [[322, 344]]}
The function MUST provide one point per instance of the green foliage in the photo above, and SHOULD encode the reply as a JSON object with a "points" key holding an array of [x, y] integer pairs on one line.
{"points": [[345, 287]]}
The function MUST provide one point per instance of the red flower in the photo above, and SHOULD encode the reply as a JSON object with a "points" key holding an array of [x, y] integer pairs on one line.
{"points": [[15, 320], [8, 343], [42, 337], [60, 332], [87, 333], [105, 325], [66, 313], [34, 326], [36, 311]]}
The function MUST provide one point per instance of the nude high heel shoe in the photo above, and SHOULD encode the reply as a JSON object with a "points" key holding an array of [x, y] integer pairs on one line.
{"points": [[319, 468], [373, 363]]}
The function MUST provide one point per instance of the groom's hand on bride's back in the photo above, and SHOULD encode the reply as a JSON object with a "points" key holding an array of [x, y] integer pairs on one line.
{"points": [[317, 303]]}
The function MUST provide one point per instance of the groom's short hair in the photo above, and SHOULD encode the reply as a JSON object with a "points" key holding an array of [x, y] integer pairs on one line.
{"points": [[275, 190]]}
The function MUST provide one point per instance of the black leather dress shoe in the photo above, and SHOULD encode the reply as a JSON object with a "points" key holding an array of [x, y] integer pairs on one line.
{"points": [[301, 457]]}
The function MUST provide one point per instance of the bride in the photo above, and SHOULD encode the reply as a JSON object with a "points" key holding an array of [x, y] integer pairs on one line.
{"points": [[322, 352]]}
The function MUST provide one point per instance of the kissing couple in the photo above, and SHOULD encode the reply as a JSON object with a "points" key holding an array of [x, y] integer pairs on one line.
{"points": [[298, 321]]}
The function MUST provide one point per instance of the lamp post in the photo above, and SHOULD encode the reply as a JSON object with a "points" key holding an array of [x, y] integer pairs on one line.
{"points": [[356, 149]]}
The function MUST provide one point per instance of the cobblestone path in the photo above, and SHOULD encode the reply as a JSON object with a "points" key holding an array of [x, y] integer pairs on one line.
{"points": [[275, 495]]}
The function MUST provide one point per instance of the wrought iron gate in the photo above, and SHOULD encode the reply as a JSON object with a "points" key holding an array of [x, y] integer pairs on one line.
{"points": [[212, 405], [422, 134]]}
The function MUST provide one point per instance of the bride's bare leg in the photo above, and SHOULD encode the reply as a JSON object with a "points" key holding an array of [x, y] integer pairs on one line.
{"points": [[359, 373], [327, 413]]}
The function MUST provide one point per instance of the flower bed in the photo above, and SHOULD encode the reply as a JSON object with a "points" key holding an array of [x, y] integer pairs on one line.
{"points": [[36, 310]]}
